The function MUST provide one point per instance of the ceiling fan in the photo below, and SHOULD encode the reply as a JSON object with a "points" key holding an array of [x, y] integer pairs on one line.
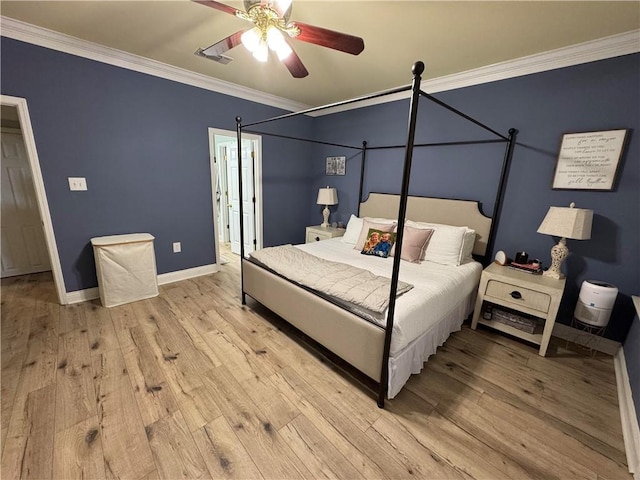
{"points": [[272, 31]]}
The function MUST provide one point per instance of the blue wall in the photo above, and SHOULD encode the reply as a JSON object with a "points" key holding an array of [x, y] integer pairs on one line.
{"points": [[142, 144], [601, 95]]}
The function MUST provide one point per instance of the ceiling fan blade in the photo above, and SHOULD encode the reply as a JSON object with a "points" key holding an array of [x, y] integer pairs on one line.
{"points": [[330, 38], [218, 6], [223, 45], [295, 66]]}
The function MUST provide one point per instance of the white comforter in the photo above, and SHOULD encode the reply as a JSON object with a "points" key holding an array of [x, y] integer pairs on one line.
{"points": [[337, 279], [437, 290]]}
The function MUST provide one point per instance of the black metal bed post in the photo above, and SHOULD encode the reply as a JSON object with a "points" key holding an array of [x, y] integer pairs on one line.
{"points": [[240, 199], [417, 70], [364, 157], [497, 207]]}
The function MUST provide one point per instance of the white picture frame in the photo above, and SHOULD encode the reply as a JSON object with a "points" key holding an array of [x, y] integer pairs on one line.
{"points": [[589, 160]]}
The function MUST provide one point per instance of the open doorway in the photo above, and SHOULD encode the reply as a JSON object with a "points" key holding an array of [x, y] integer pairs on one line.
{"points": [[28, 241], [224, 180]]}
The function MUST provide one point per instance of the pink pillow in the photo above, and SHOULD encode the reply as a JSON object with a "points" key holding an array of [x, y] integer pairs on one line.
{"points": [[366, 225], [414, 243]]}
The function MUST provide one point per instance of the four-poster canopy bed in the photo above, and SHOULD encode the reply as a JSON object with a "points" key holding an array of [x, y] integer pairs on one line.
{"points": [[385, 348]]}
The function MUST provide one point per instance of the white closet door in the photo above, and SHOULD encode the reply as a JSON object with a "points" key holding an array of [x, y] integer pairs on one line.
{"points": [[234, 199], [248, 195], [24, 249]]}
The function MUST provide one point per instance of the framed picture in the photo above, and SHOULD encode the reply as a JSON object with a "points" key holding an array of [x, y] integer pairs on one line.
{"points": [[589, 160], [336, 165]]}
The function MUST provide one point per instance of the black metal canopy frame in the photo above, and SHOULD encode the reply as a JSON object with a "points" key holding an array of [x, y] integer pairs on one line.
{"points": [[416, 93]]}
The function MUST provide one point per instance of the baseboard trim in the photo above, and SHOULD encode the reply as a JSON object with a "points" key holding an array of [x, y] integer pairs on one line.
{"points": [[172, 277], [85, 295], [628, 416], [585, 339]]}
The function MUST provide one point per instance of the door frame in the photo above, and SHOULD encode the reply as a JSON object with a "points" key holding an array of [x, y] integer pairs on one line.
{"points": [[41, 196], [257, 182]]}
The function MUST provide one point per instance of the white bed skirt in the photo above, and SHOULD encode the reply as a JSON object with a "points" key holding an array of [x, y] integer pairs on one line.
{"points": [[412, 358]]}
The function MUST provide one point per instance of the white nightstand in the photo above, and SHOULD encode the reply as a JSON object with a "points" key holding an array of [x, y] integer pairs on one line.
{"points": [[523, 292], [317, 233]]}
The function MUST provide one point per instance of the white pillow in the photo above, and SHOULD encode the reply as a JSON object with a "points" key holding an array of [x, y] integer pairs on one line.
{"points": [[354, 226], [384, 221], [468, 241], [446, 242]]}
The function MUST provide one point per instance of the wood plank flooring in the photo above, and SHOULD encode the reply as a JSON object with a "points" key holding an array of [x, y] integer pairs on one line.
{"points": [[192, 385]]}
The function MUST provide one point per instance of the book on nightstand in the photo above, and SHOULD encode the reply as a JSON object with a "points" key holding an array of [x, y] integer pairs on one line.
{"points": [[527, 267]]}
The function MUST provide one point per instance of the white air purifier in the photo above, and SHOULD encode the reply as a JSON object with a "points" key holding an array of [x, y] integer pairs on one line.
{"points": [[595, 303]]}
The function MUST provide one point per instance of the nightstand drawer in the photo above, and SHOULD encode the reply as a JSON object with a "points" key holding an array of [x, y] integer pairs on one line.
{"points": [[317, 233], [316, 236], [518, 296], [530, 294]]}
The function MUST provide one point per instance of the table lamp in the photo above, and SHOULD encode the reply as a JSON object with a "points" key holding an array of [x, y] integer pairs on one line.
{"points": [[565, 222], [327, 196]]}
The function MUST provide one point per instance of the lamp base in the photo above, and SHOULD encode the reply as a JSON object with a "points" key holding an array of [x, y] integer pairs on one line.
{"points": [[552, 274], [325, 217], [558, 253]]}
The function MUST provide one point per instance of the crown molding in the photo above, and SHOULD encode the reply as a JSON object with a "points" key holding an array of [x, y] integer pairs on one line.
{"points": [[600, 49], [43, 37]]}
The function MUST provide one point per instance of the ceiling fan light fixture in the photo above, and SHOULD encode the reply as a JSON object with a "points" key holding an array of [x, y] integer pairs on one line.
{"points": [[277, 43], [251, 39], [278, 8], [270, 19], [283, 52], [261, 53]]}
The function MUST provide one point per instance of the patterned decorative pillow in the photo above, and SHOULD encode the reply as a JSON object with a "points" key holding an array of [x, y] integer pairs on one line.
{"points": [[378, 243], [364, 233]]}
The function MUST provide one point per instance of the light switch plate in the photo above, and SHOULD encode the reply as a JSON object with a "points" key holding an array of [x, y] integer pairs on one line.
{"points": [[77, 184], [177, 247]]}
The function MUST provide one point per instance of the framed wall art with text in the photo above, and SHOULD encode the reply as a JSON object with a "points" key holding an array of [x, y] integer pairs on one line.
{"points": [[589, 160]]}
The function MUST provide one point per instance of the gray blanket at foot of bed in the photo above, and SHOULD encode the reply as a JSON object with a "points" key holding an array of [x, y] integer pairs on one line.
{"points": [[348, 283]]}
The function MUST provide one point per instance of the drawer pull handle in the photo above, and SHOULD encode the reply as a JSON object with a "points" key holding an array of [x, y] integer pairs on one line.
{"points": [[516, 294], [317, 239]]}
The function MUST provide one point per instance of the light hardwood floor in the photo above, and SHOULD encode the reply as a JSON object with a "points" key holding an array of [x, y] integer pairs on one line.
{"points": [[191, 385]]}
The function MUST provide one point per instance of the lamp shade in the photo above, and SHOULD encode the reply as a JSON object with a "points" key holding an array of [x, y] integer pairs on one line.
{"points": [[327, 196], [567, 222]]}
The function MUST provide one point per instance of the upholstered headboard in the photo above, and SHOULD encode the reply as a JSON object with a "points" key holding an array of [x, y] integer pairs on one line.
{"points": [[460, 213]]}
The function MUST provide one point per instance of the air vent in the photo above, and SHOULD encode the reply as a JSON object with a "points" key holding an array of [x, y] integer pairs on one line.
{"points": [[223, 59]]}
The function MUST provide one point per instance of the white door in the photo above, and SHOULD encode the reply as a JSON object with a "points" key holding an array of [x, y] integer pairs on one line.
{"points": [[24, 249], [222, 193], [248, 196]]}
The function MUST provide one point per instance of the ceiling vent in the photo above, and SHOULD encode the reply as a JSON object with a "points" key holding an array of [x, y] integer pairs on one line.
{"points": [[223, 59]]}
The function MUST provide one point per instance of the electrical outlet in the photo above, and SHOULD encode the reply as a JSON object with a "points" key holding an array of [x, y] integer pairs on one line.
{"points": [[177, 247], [77, 184]]}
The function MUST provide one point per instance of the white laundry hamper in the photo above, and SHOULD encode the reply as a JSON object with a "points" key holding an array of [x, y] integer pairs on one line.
{"points": [[125, 267]]}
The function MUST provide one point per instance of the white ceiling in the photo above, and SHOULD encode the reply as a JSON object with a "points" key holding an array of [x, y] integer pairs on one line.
{"points": [[449, 37]]}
